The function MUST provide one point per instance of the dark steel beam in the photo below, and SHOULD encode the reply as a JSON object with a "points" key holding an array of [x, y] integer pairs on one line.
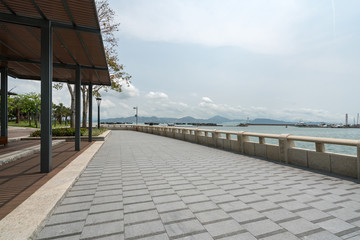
{"points": [[46, 98], [56, 65], [36, 22], [90, 110], [39, 10], [77, 107], [7, 6], [4, 102]]}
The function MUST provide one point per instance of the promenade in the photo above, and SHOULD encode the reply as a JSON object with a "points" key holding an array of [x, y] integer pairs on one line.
{"points": [[143, 186]]}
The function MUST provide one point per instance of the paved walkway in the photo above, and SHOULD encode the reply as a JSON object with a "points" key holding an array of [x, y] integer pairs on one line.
{"points": [[142, 186]]}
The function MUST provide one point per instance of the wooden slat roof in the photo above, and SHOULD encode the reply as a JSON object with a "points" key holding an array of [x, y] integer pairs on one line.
{"points": [[76, 39]]}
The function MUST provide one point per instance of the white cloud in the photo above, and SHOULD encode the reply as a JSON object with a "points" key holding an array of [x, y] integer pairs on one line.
{"points": [[157, 95], [207, 100], [259, 26], [128, 90]]}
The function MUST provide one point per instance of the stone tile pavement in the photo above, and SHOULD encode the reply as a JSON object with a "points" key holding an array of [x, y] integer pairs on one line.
{"points": [[142, 186]]}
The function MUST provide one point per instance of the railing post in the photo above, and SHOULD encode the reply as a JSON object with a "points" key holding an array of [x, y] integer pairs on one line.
{"points": [[214, 137], [197, 135], [228, 136], [284, 146], [320, 147], [261, 140], [358, 160], [240, 141]]}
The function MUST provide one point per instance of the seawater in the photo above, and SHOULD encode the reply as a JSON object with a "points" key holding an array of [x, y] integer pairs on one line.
{"points": [[342, 133]]}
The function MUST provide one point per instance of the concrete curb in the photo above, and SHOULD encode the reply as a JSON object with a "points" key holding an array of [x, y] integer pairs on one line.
{"points": [[28, 218], [16, 139], [13, 156]]}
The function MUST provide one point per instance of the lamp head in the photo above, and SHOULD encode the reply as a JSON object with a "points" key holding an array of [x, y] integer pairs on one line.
{"points": [[98, 100]]}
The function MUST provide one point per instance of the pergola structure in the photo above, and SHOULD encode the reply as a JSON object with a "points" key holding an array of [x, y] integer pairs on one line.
{"points": [[57, 40]]}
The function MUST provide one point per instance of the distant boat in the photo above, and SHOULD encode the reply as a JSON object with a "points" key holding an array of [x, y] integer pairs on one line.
{"points": [[242, 125], [301, 124], [151, 123]]}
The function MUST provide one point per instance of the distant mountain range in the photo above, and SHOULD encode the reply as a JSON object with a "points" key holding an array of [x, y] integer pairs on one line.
{"points": [[188, 119]]}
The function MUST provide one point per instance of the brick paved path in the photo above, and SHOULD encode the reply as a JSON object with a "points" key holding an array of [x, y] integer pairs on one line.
{"points": [[142, 186]]}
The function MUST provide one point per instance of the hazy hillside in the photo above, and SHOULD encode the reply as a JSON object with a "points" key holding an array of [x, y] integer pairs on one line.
{"points": [[189, 119]]}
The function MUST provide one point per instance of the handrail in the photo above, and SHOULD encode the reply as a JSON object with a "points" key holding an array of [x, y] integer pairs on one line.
{"points": [[336, 141]]}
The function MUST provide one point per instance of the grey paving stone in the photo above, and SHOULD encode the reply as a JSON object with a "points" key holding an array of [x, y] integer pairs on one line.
{"points": [[144, 229], [293, 205], [75, 207], [105, 207], [323, 205], [108, 193], [223, 228], [323, 235], [282, 236], [81, 192], [135, 192], [190, 227], [200, 236], [173, 206], [223, 199], [263, 205], [137, 199], [262, 227], [150, 215], [203, 206], [61, 230], [335, 225], [176, 216], [139, 207], [233, 206], [161, 236], [104, 217], [165, 199], [82, 199], [279, 214], [312, 214], [241, 236], [211, 216], [188, 192], [103, 229], [246, 216], [299, 226], [67, 217], [107, 199]]}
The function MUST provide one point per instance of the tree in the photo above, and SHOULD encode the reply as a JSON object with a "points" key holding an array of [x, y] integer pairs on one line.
{"points": [[30, 103], [117, 74]]}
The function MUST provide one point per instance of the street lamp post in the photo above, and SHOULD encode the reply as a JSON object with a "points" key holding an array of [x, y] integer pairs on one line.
{"points": [[98, 100], [136, 114]]}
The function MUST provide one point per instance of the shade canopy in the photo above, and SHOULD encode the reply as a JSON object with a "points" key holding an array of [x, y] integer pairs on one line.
{"points": [[77, 39]]}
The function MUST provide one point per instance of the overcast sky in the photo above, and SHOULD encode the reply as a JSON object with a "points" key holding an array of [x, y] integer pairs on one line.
{"points": [[286, 60]]}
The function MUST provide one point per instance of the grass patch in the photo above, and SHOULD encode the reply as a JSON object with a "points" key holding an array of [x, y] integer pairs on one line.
{"points": [[95, 131], [32, 124], [60, 132]]}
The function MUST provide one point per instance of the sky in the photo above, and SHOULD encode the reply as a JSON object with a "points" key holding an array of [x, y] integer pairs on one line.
{"points": [[293, 60]]}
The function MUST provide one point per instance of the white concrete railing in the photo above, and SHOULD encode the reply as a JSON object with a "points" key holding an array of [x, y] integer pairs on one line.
{"points": [[285, 151]]}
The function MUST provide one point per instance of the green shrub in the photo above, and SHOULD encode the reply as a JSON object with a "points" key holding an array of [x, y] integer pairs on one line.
{"points": [[57, 132]]}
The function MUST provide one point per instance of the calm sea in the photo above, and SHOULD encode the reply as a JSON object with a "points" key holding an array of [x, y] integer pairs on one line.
{"points": [[343, 133]]}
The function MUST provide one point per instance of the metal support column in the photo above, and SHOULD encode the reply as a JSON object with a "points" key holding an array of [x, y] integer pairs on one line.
{"points": [[46, 97], [77, 107], [4, 102], [90, 111]]}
